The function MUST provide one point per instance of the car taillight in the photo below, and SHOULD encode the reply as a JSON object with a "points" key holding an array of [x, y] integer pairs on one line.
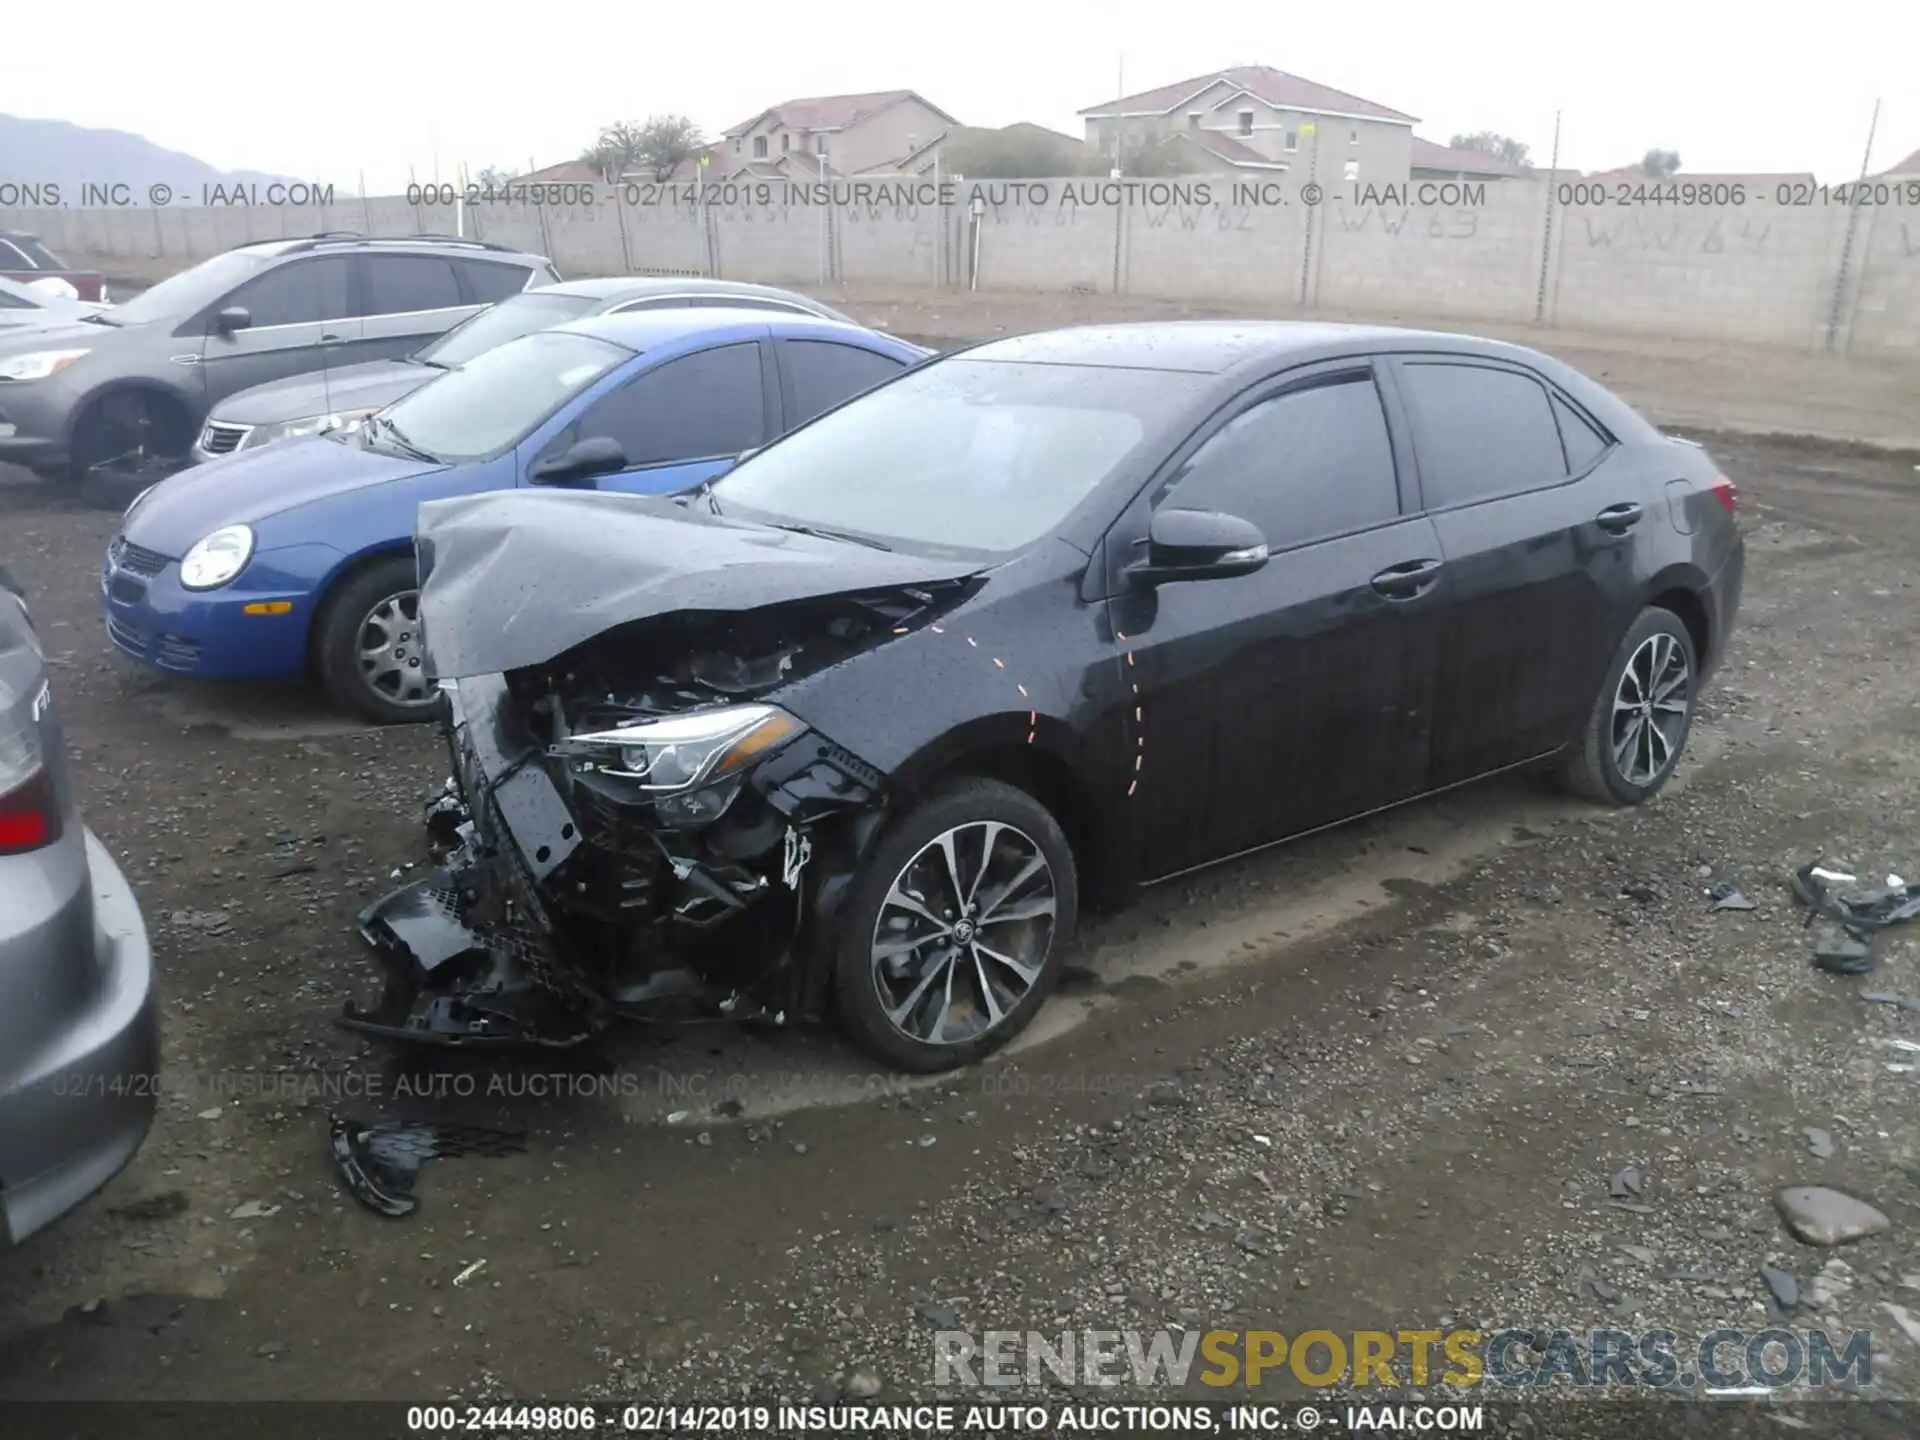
{"points": [[29, 816], [29, 808], [1726, 493]]}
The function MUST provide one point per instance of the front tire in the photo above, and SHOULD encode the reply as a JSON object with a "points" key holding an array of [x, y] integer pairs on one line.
{"points": [[1640, 721], [368, 649], [956, 928]]}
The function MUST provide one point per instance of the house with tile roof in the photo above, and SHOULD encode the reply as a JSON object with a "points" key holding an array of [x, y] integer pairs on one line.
{"points": [[828, 135], [1257, 119]]}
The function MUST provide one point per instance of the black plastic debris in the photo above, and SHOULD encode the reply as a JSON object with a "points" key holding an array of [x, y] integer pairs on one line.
{"points": [[1889, 997], [381, 1162], [1860, 917], [1843, 955], [1726, 896]]}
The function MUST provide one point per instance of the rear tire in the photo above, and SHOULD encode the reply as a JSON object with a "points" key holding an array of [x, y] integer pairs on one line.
{"points": [[1641, 719], [367, 645], [981, 982]]}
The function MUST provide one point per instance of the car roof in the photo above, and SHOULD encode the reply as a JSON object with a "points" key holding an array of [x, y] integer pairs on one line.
{"points": [[1215, 347], [641, 330], [387, 244], [624, 287]]}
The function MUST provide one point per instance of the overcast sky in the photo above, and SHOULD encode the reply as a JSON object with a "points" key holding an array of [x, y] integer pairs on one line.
{"points": [[353, 86]]}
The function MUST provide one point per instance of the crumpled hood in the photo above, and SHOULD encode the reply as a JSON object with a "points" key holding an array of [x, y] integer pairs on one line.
{"points": [[515, 578], [252, 485], [376, 384]]}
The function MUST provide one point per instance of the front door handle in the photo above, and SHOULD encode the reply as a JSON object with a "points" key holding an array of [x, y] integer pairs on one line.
{"points": [[1618, 519], [1407, 579], [332, 339]]}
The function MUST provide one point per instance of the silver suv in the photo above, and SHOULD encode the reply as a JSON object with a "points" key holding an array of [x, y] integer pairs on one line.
{"points": [[122, 394], [79, 1018]]}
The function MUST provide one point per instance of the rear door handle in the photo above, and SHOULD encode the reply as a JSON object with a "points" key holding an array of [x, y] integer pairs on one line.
{"points": [[331, 339], [1407, 579], [1618, 519]]}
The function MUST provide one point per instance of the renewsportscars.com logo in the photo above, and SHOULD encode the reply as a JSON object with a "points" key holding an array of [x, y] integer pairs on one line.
{"points": [[1519, 1359]]}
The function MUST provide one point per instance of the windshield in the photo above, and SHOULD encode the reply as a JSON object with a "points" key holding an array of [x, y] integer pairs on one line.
{"points": [[974, 456], [178, 296], [509, 320], [498, 398]]}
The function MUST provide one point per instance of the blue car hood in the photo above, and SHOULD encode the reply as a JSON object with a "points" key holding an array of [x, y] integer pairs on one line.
{"points": [[254, 485]]}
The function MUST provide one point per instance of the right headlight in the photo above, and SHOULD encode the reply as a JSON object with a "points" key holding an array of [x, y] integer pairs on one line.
{"points": [[348, 420], [216, 559], [682, 752]]}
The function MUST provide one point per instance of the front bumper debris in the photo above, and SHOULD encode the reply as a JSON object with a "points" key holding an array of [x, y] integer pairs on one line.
{"points": [[552, 910]]}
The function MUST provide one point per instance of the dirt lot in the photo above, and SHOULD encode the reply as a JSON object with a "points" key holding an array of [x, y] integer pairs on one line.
{"points": [[1382, 1079]]}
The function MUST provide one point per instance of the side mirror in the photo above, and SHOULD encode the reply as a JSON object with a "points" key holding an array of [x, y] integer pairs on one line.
{"points": [[596, 455], [234, 317], [1198, 545]]}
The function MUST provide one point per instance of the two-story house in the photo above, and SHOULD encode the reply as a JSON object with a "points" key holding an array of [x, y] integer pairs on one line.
{"points": [[1256, 118], [832, 135]]}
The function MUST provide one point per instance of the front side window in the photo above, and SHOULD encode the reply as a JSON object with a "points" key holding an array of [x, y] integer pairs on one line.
{"points": [[1306, 465], [697, 407], [974, 457], [1480, 432], [497, 399], [300, 292]]}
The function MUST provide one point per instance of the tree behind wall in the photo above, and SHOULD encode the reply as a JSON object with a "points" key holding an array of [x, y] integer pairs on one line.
{"points": [[1500, 147], [657, 144], [1660, 163]]}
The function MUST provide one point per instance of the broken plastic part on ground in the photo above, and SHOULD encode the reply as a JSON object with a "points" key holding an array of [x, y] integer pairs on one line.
{"points": [[380, 1163], [1859, 918], [1726, 896]]}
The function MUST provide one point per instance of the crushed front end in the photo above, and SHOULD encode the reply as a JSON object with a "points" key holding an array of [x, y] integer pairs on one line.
{"points": [[636, 829]]}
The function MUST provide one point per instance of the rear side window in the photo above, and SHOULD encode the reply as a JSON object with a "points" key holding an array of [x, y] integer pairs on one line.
{"points": [[821, 374], [1303, 466], [1481, 433], [1583, 443], [694, 408], [491, 280], [300, 292], [397, 284]]}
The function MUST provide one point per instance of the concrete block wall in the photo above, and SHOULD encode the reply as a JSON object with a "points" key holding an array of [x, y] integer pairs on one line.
{"points": [[1760, 272]]}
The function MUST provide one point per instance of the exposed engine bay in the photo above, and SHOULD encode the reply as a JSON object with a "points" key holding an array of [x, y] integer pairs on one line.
{"points": [[637, 829]]}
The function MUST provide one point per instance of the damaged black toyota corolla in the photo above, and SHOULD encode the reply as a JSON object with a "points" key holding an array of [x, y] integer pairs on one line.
{"points": [[854, 730]]}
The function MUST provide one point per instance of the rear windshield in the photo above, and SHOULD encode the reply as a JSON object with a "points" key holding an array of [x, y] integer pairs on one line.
{"points": [[513, 317]]}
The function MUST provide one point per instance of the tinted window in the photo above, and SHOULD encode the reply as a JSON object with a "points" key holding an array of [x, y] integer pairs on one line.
{"points": [[1302, 466], [37, 255], [968, 456], [489, 280], [301, 292], [396, 284], [1480, 433], [821, 374], [692, 408], [13, 257], [1584, 444], [10, 301], [513, 317]]}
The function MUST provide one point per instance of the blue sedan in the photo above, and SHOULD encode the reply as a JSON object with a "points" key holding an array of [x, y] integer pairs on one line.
{"points": [[297, 558]]}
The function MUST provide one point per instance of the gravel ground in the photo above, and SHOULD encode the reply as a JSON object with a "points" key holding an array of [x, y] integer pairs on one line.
{"points": [[1388, 1078]]}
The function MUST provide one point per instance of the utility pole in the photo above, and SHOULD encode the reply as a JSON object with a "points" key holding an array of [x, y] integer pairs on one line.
{"points": [[1846, 248]]}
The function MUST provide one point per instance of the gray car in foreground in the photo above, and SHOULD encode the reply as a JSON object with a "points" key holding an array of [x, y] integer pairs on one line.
{"points": [[336, 398], [79, 1017]]}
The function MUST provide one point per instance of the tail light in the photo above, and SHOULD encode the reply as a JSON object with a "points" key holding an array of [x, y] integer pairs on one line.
{"points": [[29, 808], [1726, 493]]}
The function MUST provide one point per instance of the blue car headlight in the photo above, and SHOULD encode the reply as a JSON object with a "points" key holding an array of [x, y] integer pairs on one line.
{"points": [[215, 559]]}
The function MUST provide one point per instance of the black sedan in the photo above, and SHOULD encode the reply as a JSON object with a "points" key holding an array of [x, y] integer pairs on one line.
{"points": [[856, 729]]}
